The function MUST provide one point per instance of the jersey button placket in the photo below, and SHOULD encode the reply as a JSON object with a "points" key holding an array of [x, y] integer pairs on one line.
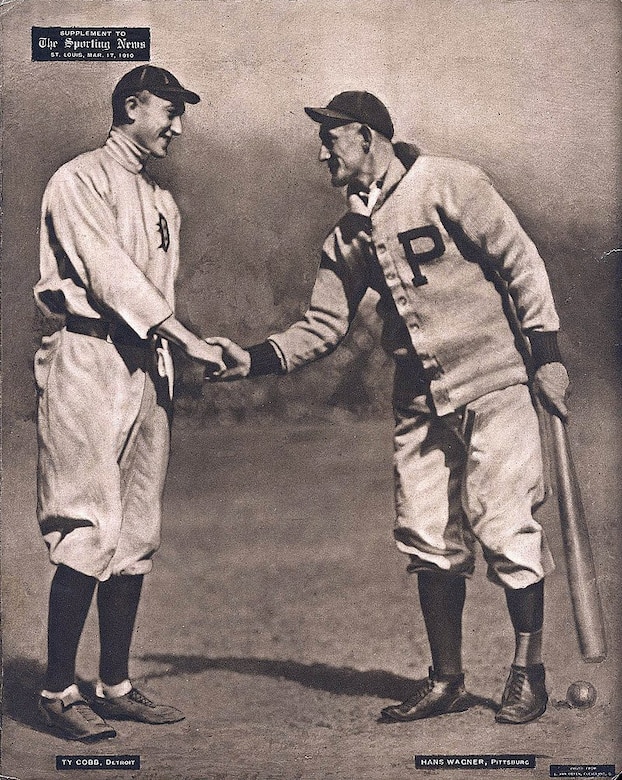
{"points": [[414, 329], [387, 266]]}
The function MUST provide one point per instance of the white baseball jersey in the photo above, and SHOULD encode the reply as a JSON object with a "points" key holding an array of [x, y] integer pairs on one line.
{"points": [[109, 239]]}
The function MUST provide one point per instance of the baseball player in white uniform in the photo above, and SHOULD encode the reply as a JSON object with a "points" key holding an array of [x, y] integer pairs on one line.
{"points": [[109, 257], [469, 317]]}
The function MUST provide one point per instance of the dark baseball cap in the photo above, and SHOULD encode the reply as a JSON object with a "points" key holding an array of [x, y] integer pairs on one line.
{"points": [[355, 106], [158, 81]]}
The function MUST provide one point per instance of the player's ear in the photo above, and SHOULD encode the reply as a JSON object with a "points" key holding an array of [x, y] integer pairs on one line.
{"points": [[367, 137], [131, 104]]}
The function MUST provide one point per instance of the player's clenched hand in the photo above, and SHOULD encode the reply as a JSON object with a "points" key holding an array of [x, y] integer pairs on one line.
{"points": [[196, 349], [209, 354], [551, 384], [237, 360]]}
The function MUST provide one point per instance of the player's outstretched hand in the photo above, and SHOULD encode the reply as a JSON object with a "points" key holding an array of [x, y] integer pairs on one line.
{"points": [[552, 386], [236, 359]]}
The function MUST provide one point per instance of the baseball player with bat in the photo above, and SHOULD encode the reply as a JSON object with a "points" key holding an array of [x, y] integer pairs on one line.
{"points": [[109, 257], [469, 318]]}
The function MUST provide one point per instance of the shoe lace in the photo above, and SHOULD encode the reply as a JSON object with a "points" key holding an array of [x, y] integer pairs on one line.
{"points": [[517, 683], [140, 698], [83, 709], [421, 690]]}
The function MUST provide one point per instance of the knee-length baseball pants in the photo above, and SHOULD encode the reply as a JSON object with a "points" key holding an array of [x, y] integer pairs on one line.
{"points": [[103, 422], [474, 475]]}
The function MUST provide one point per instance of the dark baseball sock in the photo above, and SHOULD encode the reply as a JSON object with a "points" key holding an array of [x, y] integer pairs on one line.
{"points": [[442, 599], [117, 604], [71, 593], [526, 608]]}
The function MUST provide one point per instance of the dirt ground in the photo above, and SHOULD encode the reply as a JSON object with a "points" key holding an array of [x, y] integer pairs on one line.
{"points": [[280, 618]]}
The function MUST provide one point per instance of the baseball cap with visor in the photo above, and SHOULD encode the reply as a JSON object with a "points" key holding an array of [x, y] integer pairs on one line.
{"points": [[355, 106], [156, 80]]}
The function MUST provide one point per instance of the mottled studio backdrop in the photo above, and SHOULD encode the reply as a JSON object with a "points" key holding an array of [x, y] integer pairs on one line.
{"points": [[528, 90]]}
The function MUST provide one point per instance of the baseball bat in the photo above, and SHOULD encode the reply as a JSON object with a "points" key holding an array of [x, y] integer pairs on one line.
{"points": [[584, 595]]}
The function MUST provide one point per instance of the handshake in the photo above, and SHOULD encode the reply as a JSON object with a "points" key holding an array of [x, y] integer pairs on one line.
{"points": [[222, 359], [228, 361]]}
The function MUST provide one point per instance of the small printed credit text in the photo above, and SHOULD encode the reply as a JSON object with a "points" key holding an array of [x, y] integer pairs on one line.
{"points": [[583, 770]]}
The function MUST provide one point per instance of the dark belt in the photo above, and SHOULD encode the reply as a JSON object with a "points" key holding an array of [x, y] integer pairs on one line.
{"points": [[118, 332]]}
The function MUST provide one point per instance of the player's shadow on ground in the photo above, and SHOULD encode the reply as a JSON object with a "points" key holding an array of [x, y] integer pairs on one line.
{"points": [[23, 678], [341, 680]]}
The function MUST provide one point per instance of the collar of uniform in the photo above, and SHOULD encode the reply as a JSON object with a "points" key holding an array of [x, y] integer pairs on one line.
{"points": [[362, 201], [393, 176], [126, 151]]}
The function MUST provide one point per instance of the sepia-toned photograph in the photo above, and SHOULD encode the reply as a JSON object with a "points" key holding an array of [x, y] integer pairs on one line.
{"points": [[311, 414]]}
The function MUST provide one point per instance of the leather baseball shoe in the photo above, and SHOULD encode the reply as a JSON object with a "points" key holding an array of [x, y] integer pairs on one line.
{"points": [[74, 719], [430, 698], [525, 697], [136, 706]]}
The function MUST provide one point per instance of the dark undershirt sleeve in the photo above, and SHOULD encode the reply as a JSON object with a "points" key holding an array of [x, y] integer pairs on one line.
{"points": [[264, 359], [544, 347]]}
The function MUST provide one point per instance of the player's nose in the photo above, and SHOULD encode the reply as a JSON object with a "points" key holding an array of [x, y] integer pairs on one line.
{"points": [[176, 125], [324, 154]]}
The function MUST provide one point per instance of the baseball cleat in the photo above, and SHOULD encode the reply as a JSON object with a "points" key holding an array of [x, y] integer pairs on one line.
{"points": [[430, 698], [136, 706], [74, 719], [524, 697]]}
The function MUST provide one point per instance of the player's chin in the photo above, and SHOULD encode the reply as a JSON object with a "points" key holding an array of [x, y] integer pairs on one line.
{"points": [[161, 149]]}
